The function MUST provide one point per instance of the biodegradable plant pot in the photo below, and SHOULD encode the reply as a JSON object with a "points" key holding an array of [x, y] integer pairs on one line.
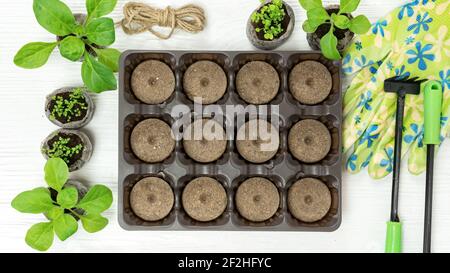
{"points": [[344, 36], [288, 25], [75, 137], [74, 122], [82, 190], [81, 18]]}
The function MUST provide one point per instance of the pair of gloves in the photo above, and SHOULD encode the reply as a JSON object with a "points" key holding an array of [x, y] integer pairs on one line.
{"points": [[411, 41]]}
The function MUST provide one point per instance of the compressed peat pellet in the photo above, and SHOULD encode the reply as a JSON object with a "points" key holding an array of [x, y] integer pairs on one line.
{"points": [[151, 199], [309, 140], [204, 140], [152, 140], [204, 199], [309, 200], [205, 80], [257, 199], [257, 141], [257, 82], [310, 82], [153, 82]]}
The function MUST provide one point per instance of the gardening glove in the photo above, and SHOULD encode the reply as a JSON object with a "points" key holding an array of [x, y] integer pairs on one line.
{"points": [[411, 41]]}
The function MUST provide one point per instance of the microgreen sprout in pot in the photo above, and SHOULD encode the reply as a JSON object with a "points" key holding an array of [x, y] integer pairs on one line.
{"points": [[72, 146], [331, 29], [269, 18], [65, 208], [70, 108], [78, 38], [271, 24]]}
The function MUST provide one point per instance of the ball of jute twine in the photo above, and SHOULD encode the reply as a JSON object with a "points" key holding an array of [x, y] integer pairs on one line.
{"points": [[140, 17]]}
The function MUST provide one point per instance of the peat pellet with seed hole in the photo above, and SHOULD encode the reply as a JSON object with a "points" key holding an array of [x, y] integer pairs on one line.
{"points": [[151, 199], [204, 199], [205, 80], [310, 82], [257, 141], [257, 199], [309, 140], [257, 82], [309, 200], [204, 140], [153, 82], [152, 140]]}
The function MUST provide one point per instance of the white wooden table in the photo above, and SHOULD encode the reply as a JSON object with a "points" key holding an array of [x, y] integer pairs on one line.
{"points": [[366, 203]]}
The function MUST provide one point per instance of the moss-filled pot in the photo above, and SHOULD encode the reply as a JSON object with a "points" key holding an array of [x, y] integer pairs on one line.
{"points": [[257, 38], [69, 107], [344, 36], [73, 146]]}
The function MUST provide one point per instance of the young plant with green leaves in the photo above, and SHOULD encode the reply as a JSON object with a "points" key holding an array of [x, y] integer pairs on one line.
{"points": [[76, 41], [318, 15], [62, 210], [269, 19]]}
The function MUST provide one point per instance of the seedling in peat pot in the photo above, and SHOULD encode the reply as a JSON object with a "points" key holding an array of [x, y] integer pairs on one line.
{"points": [[63, 205], [79, 38], [332, 28]]}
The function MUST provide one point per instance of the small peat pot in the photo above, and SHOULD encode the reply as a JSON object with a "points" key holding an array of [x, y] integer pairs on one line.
{"points": [[344, 36], [69, 107], [82, 190], [72, 146], [255, 27]]}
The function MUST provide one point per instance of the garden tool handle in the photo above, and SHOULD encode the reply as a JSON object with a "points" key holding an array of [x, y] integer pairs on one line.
{"points": [[432, 113], [428, 200], [397, 156], [432, 124], [393, 237]]}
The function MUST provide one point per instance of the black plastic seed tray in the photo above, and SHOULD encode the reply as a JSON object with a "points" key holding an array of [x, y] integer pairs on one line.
{"points": [[231, 169]]}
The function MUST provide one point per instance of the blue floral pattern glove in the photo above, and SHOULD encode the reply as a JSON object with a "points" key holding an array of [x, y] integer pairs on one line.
{"points": [[411, 41]]}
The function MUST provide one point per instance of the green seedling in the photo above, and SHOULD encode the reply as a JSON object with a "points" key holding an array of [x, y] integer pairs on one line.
{"points": [[61, 149], [270, 16], [318, 15], [62, 210], [68, 108], [78, 41]]}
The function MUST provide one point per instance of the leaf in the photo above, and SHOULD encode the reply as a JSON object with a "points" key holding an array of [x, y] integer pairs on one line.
{"points": [[97, 76], [72, 48], [97, 199], [99, 8], [56, 173], [101, 31], [54, 16], [109, 57], [93, 222], [55, 212], [310, 4], [40, 236], [68, 197], [328, 45], [348, 6], [65, 226], [360, 24], [34, 55], [307, 27], [35, 201], [341, 21], [317, 16]]}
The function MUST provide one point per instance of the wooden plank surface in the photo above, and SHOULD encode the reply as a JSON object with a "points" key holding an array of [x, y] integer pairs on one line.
{"points": [[366, 202]]}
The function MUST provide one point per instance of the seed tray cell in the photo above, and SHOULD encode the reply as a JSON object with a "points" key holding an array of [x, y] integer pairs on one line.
{"points": [[231, 168]]}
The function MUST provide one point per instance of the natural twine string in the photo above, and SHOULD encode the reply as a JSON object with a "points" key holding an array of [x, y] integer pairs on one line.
{"points": [[140, 17]]}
